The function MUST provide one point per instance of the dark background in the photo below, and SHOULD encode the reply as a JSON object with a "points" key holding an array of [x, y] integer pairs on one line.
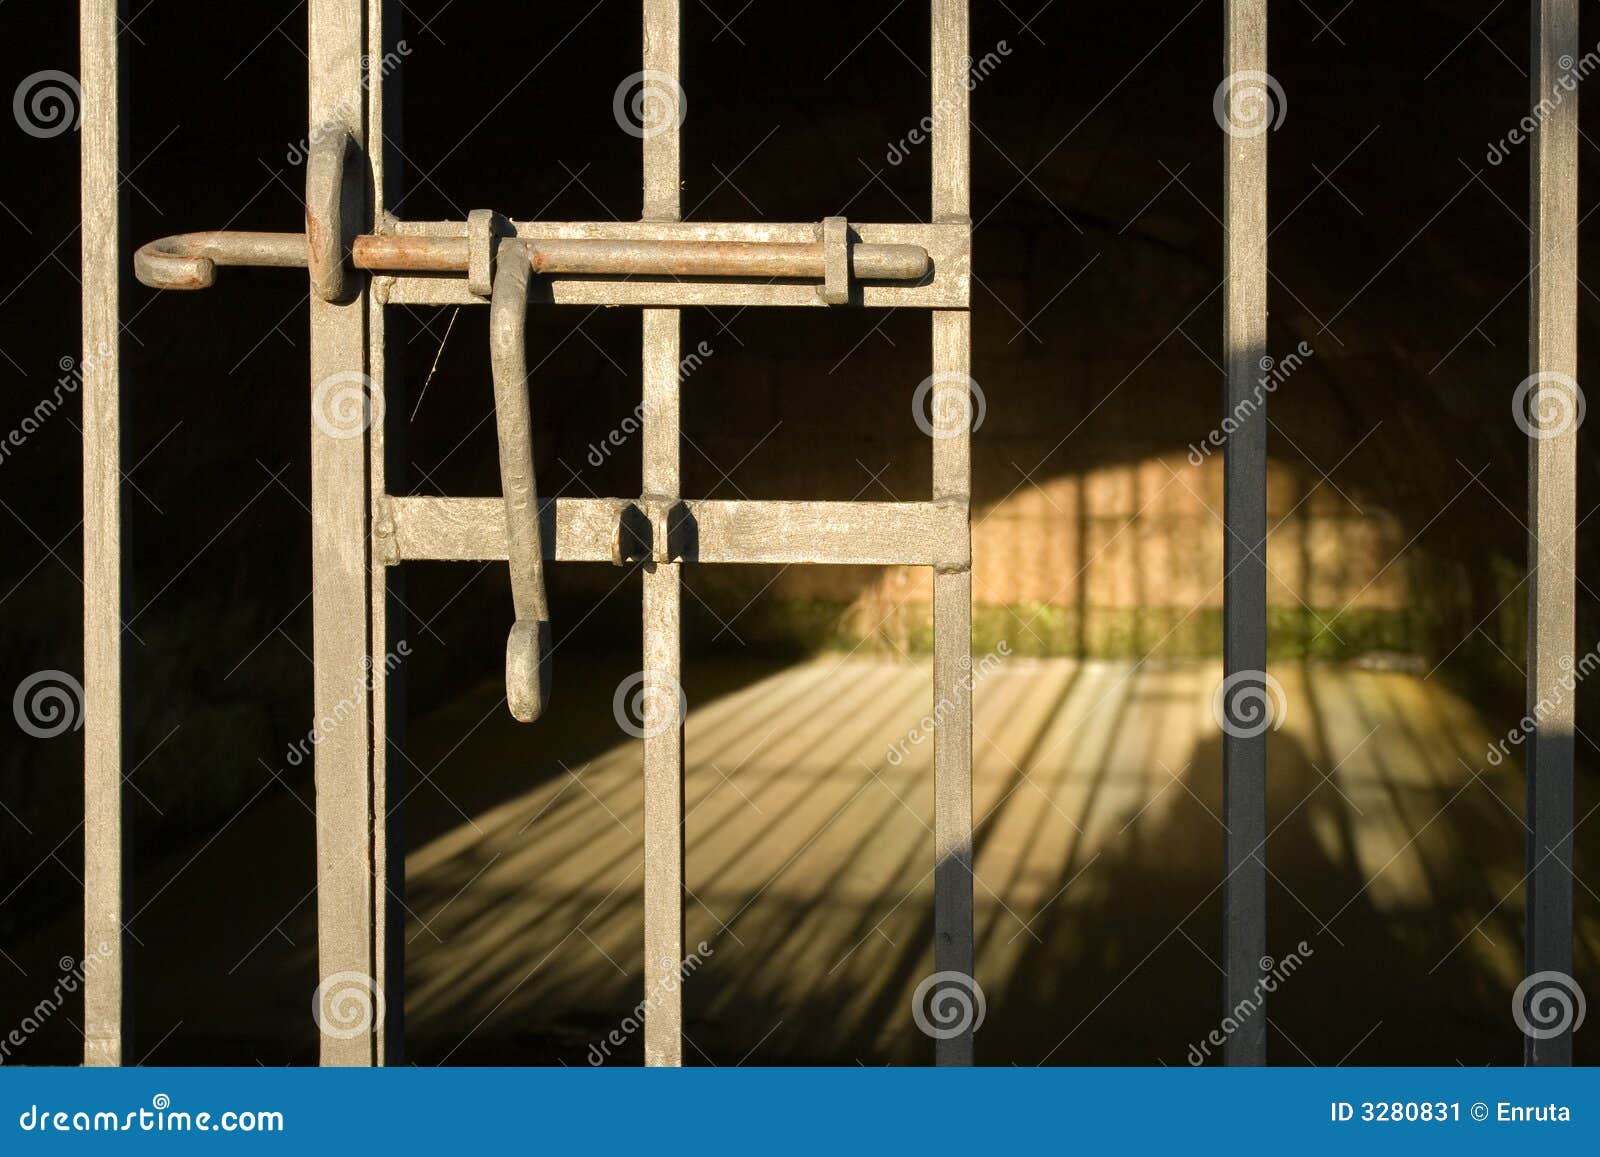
{"points": [[1413, 257]]}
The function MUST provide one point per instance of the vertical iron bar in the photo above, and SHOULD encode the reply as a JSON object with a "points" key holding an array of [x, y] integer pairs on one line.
{"points": [[106, 1024], [340, 575], [1552, 501], [952, 479], [386, 458], [1244, 756], [663, 675]]}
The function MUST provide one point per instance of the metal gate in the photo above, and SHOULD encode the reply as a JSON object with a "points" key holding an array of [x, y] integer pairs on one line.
{"points": [[361, 260], [361, 532]]}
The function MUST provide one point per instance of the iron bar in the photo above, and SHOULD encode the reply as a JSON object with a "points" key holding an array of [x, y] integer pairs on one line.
{"points": [[386, 458], [422, 528], [1244, 749], [1552, 415], [341, 592], [952, 394], [106, 1025], [946, 286], [662, 610]]}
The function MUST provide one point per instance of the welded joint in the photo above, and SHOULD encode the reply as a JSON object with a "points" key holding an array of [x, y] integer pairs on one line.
{"points": [[835, 288], [485, 228], [960, 560], [651, 527], [385, 540]]}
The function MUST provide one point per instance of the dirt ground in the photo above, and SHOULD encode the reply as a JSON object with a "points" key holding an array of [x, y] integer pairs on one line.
{"points": [[1395, 860]]}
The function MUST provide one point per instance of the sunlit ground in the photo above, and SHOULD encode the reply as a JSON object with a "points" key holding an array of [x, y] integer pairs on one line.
{"points": [[1396, 855]]}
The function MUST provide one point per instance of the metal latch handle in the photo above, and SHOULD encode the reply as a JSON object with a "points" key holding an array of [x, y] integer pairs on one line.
{"points": [[189, 260], [529, 645]]}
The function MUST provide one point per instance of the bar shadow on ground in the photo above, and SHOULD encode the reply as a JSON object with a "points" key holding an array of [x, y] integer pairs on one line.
{"points": [[1396, 857]]}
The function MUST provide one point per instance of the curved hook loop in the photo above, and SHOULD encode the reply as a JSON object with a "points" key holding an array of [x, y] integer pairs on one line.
{"points": [[528, 648], [189, 260]]}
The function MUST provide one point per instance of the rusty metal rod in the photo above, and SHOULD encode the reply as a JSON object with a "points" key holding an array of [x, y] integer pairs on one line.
{"points": [[189, 260]]}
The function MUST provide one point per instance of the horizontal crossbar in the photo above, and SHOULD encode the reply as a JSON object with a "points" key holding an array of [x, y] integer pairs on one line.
{"points": [[948, 246], [711, 531]]}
